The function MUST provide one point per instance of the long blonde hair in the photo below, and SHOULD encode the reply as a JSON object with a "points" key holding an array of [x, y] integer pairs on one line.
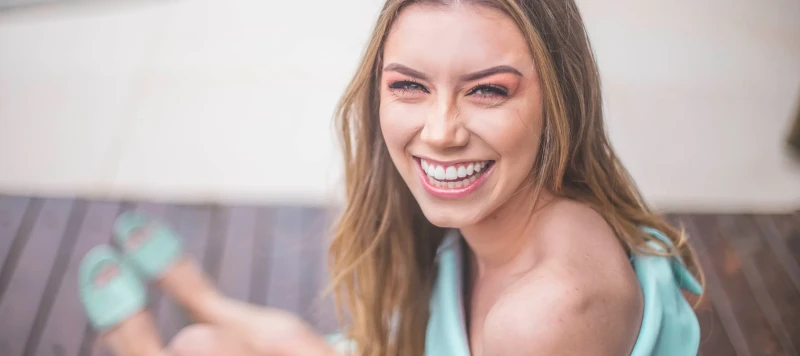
{"points": [[383, 249]]}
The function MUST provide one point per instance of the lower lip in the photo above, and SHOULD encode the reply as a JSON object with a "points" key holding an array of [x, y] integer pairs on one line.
{"points": [[451, 193]]}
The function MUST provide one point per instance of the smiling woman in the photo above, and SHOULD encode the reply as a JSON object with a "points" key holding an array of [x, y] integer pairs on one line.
{"points": [[469, 94], [486, 212], [474, 130]]}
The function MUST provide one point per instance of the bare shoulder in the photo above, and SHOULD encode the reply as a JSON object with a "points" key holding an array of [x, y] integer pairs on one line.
{"points": [[582, 298]]}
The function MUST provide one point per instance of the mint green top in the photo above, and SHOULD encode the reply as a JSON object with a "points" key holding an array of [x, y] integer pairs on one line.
{"points": [[669, 324]]}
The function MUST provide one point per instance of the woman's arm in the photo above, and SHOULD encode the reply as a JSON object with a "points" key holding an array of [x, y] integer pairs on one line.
{"points": [[583, 298], [558, 317]]}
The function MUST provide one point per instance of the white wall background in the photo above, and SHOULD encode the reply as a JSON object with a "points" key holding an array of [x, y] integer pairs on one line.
{"points": [[204, 100]]}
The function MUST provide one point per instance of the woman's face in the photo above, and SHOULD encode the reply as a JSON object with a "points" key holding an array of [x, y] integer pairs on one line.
{"points": [[460, 109]]}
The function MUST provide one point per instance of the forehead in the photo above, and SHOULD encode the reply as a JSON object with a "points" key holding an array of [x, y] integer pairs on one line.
{"points": [[455, 38]]}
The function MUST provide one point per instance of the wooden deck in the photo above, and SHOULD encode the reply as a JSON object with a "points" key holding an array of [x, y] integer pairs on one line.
{"points": [[275, 256]]}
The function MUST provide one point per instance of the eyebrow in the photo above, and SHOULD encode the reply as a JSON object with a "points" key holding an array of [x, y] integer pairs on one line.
{"points": [[491, 71], [399, 68]]}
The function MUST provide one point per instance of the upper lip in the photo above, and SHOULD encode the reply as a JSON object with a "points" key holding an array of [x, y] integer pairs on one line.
{"points": [[450, 162]]}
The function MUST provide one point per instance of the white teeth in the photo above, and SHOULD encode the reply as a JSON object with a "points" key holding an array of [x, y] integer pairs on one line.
{"points": [[439, 173], [456, 176], [451, 173]]}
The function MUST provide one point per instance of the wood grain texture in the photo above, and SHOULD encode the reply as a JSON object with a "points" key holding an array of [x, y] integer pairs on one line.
{"points": [[29, 276], [275, 255], [65, 325], [723, 304]]}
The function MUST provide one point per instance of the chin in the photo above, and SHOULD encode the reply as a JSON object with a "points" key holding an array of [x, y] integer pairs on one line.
{"points": [[454, 217]]}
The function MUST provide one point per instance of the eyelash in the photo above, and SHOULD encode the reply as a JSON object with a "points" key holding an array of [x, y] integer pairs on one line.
{"points": [[493, 90], [403, 86]]}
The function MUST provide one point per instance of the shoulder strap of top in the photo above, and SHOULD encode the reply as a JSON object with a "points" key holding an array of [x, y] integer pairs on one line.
{"points": [[685, 278]]}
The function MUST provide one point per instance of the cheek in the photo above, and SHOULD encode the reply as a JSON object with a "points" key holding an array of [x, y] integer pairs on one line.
{"points": [[401, 120], [513, 133], [398, 125], [524, 131]]}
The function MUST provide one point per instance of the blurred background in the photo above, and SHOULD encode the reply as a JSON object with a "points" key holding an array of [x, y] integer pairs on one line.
{"points": [[207, 100], [218, 114]]}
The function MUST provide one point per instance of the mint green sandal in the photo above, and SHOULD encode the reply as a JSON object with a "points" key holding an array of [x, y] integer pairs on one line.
{"points": [[109, 290], [150, 247]]}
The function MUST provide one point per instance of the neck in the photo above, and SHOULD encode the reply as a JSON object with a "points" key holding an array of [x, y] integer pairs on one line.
{"points": [[502, 240]]}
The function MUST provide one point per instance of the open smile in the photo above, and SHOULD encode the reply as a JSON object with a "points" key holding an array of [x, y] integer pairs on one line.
{"points": [[452, 180]]}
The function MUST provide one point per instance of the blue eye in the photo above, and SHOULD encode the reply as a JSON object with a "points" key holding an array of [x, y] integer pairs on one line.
{"points": [[407, 85], [488, 91]]}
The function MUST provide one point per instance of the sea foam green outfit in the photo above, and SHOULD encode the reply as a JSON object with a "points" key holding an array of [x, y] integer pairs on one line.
{"points": [[669, 324]]}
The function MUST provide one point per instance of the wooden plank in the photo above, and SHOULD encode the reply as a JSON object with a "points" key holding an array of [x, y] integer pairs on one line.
{"points": [[781, 232], [192, 223], [711, 263], [64, 249], [743, 235], [296, 259], [713, 338], [319, 309], [756, 328], [262, 253], [26, 287], [12, 249], [235, 275], [287, 262], [779, 281], [60, 335], [309, 240], [216, 242], [12, 209]]}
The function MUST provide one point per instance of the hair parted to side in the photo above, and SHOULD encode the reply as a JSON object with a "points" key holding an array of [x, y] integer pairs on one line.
{"points": [[383, 249]]}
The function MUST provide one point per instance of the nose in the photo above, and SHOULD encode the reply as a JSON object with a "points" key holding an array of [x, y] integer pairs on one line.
{"points": [[444, 127]]}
